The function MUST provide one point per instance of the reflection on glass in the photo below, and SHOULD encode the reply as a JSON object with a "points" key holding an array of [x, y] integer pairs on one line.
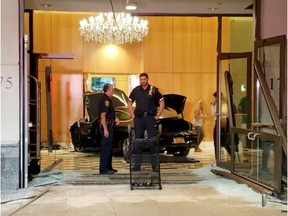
{"points": [[257, 163], [269, 57], [239, 103], [237, 34]]}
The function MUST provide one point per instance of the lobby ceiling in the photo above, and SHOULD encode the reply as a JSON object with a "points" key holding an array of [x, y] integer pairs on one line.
{"points": [[148, 7]]}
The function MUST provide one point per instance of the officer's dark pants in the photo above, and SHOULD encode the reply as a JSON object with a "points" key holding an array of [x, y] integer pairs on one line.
{"points": [[142, 123], [106, 150]]}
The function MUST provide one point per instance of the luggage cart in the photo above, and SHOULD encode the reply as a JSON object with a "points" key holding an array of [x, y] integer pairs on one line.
{"points": [[34, 139], [144, 164]]}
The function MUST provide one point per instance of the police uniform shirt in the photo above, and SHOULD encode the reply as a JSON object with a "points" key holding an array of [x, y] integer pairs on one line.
{"points": [[146, 100], [106, 105]]}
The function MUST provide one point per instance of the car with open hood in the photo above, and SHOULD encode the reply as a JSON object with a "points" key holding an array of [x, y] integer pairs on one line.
{"points": [[178, 136]]}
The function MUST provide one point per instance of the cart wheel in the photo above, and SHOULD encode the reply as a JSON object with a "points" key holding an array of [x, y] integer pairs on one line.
{"points": [[126, 148], [34, 168], [79, 148]]}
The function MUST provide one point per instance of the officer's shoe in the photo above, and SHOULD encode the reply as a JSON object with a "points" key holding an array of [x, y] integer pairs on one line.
{"points": [[114, 170], [107, 172]]}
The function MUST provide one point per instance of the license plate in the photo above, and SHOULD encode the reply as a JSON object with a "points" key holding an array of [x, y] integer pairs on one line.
{"points": [[178, 140]]}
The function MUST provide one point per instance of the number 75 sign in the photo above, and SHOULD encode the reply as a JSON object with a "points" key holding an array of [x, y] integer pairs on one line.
{"points": [[10, 106], [6, 82]]}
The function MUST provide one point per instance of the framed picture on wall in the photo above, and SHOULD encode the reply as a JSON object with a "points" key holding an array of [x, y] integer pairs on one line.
{"points": [[98, 82]]}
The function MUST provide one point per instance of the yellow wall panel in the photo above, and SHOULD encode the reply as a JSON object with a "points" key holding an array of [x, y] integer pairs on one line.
{"points": [[105, 58], [209, 44], [161, 81], [42, 36], [66, 103], [179, 54], [66, 39], [188, 85], [225, 34], [158, 45], [186, 44]]}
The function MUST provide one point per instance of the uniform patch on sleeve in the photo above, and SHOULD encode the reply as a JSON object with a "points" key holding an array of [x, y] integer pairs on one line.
{"points": [[107, 103], [151, 90]]}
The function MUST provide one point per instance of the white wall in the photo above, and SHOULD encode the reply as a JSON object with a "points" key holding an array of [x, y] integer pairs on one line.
{"points": [[273, 18], [9, 72]]}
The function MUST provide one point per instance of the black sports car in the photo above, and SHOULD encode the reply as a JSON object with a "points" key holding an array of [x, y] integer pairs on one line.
{"points": [[177, 137]]}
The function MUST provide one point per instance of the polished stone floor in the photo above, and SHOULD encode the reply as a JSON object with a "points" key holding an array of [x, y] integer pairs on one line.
{"points": [[69, 184], [68, 159]]}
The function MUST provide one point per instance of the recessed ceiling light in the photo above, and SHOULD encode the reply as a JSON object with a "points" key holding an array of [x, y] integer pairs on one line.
{"points": [[213, 8], [131, 6], [46, 5]]}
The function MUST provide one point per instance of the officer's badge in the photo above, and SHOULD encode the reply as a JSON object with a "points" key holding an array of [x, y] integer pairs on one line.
{"points": [[107, 103], [151, 90]]}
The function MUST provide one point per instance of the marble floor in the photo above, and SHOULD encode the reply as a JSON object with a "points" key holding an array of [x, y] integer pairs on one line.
{"points": [[67, 158], [69, 184]]}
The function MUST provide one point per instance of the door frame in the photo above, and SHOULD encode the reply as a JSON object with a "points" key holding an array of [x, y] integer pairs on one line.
{"points": [[221, 57]]}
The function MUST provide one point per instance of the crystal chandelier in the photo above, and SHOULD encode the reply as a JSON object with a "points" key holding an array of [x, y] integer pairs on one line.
{"points": [[115, 28]]}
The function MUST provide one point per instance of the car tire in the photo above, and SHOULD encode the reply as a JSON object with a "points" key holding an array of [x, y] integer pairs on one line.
{"points": [[79, 148], [182, 152]]}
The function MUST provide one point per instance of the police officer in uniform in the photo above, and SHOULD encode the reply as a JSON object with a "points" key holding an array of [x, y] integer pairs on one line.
{"points": [[107, 120], [148, 99]]}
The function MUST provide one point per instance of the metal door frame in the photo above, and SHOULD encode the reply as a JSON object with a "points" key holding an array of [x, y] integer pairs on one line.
{"points": [[278, 159], [221, 57], [281, 127]]}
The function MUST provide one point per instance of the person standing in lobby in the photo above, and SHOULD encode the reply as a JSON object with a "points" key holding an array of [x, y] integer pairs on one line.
{"points": [[199, 115], [149, 106], [107, 121], [223, 122]]}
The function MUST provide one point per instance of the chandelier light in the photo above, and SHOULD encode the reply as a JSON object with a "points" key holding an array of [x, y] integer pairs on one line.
{"points": [[114, 28]]}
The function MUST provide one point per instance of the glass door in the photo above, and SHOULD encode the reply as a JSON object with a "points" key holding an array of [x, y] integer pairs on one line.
{"points": [[234, 73], [259, 164], [256, 116]]}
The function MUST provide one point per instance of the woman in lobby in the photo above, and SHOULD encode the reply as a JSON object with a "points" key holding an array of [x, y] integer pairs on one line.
{"points": [[199, 115]]}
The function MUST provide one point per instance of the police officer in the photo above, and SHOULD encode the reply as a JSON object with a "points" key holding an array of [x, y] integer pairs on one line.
{"points": [[107, 120], [147, 98]]}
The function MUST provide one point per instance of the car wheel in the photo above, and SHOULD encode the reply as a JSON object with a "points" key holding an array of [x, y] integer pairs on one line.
{"points": [[126, 151], [183, 152], [79, 148]]}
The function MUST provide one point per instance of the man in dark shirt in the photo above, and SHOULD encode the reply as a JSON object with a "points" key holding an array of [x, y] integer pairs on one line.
{"points": [[148, 99], [107, 120]]}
